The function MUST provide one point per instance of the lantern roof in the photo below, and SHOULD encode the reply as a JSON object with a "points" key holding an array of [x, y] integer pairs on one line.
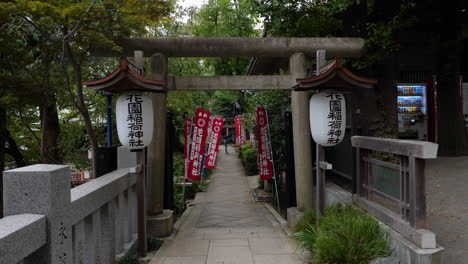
{"points": [[126, 78], [334, 76]]}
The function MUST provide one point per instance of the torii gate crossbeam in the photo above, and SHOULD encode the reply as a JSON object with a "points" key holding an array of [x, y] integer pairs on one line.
{"points": [[235, 47]]}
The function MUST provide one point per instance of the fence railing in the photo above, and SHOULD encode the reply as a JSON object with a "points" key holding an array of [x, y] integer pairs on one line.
{"points": [[390, 183], [47, 222]]}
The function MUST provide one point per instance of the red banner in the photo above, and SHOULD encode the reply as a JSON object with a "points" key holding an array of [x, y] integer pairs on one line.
{"points": [[243, 137], [237, 130], [200, 131], [265, 165], [240, 131], [215, 139]]}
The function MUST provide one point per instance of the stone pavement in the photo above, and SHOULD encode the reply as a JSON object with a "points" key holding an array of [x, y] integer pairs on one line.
{"points": [[226, 226], [447, 206]]}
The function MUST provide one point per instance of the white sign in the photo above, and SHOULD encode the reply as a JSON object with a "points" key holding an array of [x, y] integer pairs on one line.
{"points": [[134, 114], [327, 118]]}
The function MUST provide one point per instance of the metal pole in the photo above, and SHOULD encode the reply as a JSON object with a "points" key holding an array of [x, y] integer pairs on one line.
{"points": [[141, 206], [186, 162], [272, 161], [109, 118], [320, 152]]}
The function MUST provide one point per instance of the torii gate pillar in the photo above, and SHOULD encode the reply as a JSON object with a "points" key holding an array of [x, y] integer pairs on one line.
{"points": [[160, 221], [301, 138]]}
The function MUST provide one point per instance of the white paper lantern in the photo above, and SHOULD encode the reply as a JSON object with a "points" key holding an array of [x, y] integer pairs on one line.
{"points": [[327, 118], [134, 114]]}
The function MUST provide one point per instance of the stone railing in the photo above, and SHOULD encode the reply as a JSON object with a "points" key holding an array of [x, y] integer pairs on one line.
{"points": [[390, 184], [47, 222]]}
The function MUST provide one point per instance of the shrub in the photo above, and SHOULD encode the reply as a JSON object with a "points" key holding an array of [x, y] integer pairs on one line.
{"points": [[153, 243], [346, 235], [308, 219], [249, 159], [307, 237], [349, 235]]}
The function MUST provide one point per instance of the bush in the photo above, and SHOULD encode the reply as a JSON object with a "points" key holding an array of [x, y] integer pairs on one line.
{"points": [[248, 157], [153, 243], [346, 235], [306, 221]]}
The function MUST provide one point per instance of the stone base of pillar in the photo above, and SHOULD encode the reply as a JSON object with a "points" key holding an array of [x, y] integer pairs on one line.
{"points": [[293, 216], [160, 225], [266, 186]]}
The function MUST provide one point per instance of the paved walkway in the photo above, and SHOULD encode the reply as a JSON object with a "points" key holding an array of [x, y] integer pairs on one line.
{"points": [[225, 225], [447, 207]]}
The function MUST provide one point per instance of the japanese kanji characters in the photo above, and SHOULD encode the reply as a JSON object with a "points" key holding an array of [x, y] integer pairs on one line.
{"points": [[215, 139], [199, 135], [265, 165], [134, 120], [334, 118]]}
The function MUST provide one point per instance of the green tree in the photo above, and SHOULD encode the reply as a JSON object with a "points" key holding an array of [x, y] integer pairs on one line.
{"points": [[57, 48]]}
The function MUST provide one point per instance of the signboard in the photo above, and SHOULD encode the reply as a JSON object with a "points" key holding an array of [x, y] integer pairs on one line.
{"points": [[200, 132], [134, 114], [215, 139], [265, 165], [327, 118]]}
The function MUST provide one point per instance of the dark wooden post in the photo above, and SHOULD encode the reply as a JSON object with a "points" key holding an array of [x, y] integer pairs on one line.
{"points": [[141, 199], [417, 187]]}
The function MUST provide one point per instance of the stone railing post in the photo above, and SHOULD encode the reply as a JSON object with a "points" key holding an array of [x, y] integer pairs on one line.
{"points": [[43, 189]]}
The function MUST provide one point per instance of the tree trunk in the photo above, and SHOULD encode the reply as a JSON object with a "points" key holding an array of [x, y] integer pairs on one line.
{"points": [[451, 124], [50, 151], [3, 134], [14, 151], [82, 106]]}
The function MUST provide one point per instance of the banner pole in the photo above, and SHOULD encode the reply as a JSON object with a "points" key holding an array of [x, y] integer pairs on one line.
{"points": [[272, 160], [189, 137]]}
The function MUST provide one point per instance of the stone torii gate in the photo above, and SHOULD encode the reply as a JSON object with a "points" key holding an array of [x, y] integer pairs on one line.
{"points": [[296, 49]]}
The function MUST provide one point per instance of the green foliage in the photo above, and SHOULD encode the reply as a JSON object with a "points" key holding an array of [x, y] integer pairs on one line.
{"points": [[225, 18], [346, 235], [45, 47], [154, 243], [190, 190], [276, 102], [248, 157], [298, 18], [308, 219], [222, 103], [128, 260], [307, 237]]}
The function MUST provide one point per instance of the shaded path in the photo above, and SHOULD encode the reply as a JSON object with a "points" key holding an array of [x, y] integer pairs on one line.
{"points": [[447, 207], [225, 225]]}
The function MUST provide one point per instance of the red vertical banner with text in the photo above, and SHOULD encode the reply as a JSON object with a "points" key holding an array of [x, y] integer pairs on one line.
{"points": [[237, 130], [265, 165], [243, 137], [200, 132], [215, 139]]}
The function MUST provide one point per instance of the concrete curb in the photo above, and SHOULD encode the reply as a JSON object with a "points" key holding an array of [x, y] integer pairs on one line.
{"points": [[179, 223], [302, 253], [283, 223]]}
